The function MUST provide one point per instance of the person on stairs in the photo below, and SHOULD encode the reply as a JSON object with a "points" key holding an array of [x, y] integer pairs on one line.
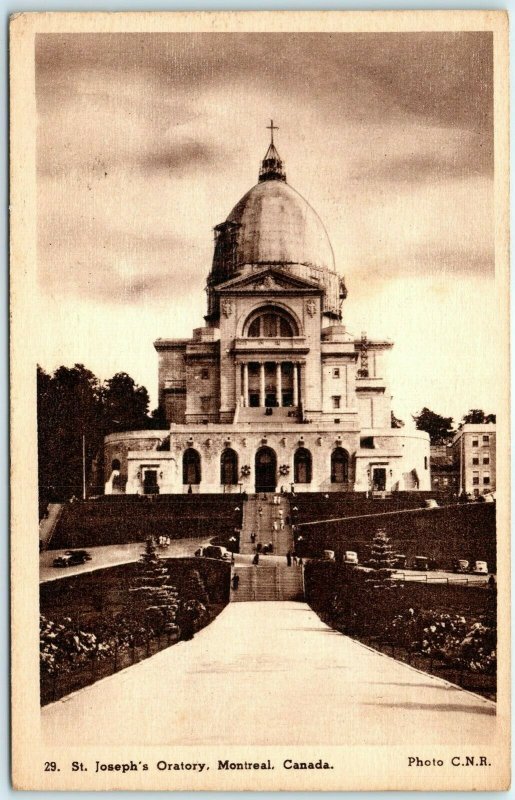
{"points": [[235, 581], [288, 558], [255, 560]]}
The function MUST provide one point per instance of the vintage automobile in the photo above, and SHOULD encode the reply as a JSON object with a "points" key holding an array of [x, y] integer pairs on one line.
{"points": [[480, 568], [350, 557], [399, 561], [461, 566], [72, 558], [213, 551], [329, 555], [421, 563]]}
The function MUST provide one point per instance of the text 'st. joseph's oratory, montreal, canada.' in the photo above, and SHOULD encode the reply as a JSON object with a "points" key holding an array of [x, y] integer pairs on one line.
{"points": [[272, 390]]}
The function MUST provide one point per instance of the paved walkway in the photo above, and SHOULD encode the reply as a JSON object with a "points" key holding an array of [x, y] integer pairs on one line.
{"points": [[258, 668]]}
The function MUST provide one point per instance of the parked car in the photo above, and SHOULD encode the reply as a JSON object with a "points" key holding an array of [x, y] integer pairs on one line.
{"points": [[329, 555], [72, 558], [461, 566], [421, 563], [350, 557], [399, 561], [214, 551], [480, 568]]}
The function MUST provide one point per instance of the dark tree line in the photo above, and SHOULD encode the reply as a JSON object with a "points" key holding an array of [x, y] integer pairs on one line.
{"points": [[440, 429], [75, 410]]}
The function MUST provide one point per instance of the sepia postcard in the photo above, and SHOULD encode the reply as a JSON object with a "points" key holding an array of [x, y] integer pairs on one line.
{"points": [[259, 362]]}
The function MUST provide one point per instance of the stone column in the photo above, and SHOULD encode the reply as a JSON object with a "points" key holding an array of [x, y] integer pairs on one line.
{"points": [[245, 384], [262, 385], [295, 385], [279, 383]]}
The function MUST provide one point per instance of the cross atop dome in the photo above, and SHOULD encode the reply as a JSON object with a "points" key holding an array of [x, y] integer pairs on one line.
{"points": [[272, 165], [272, 128]]}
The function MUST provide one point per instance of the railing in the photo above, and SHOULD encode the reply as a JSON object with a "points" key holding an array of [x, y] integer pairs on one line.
{"points": [[428, 578], [481, 683]]}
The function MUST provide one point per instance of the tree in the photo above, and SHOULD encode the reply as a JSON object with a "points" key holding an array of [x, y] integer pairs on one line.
{"points": [[125, 404], [193, 587], [381, 556], [478, 417], [74, 409], [69, 413], [156, 598], [396, 423], [439, 428]]}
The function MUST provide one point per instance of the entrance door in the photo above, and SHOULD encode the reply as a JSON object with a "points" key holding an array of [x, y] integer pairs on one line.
{"points": [[266, 468], [379, 479], [150, 485]]}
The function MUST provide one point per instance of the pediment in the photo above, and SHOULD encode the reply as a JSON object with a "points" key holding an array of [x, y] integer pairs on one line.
{"points": [[269, 280]]}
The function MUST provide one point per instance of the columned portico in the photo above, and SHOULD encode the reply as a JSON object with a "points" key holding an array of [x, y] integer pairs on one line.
{"points": [[269, 383]]}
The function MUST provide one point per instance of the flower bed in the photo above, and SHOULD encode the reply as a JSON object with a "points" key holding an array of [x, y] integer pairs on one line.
{"points": [[149, 606], [454, 637]]}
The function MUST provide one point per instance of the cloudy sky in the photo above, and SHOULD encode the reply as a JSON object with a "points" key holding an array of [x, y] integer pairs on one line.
{"points": [[146, 142]]}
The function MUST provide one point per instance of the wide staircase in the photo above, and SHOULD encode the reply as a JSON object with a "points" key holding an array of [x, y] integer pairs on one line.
{"points": [[268, 581], [267, 519]]}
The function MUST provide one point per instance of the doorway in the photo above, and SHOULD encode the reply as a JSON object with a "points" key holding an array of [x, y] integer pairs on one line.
{"points": [[266, 469], [150, 484], [379, 479]]}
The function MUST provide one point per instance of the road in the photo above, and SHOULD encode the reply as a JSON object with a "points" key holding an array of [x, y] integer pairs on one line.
{"points": [[256, 666], [110, 555]]}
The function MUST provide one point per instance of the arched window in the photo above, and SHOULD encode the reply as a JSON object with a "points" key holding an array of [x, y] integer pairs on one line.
{"points": [[271, 324], [339, 466], [229, 467], [190, 467], [115, 463], [302, 466]]}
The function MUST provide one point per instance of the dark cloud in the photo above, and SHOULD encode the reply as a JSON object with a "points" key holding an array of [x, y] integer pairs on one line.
{"points": [[445, 77], [181, 157], [462, 163]]}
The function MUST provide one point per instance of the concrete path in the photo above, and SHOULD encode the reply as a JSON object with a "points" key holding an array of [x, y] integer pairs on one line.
{"points": [[111, 555], [269, 673]]}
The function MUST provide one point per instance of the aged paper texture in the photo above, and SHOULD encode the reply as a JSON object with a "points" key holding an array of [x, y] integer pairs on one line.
{"points": [[266, 449]]}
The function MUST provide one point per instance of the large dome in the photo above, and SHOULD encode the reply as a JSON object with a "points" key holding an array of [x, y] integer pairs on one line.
{"points": [[273, 225], [276, 225]]}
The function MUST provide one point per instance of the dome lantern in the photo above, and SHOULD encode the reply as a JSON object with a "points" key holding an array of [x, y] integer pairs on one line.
{"points": [[272, 166]]}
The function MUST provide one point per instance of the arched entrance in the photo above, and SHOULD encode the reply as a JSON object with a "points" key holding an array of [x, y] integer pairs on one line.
{"points": [[302, 466], [190, 467], [229, 467], [339, 466], [266, 470]]}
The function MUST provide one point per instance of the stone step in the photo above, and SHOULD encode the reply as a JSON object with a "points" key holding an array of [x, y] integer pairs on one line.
{"points": [[268, 582]]}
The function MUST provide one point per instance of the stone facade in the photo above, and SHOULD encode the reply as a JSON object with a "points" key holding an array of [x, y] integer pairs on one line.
{"points": [[273, 390]]}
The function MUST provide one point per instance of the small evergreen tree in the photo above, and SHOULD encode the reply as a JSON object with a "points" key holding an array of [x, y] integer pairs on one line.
{"points": [[193, 587], [381, 557], [154, 593]]}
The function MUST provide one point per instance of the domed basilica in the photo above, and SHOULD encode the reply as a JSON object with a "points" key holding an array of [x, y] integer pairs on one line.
{"points": [[272, 391]]}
